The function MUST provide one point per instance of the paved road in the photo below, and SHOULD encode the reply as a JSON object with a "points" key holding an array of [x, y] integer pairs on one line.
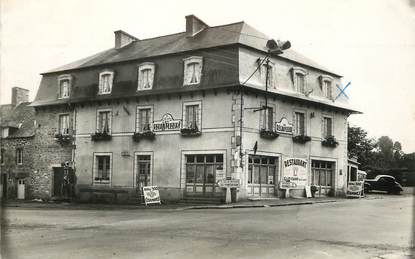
{"points": [[370, 228]]}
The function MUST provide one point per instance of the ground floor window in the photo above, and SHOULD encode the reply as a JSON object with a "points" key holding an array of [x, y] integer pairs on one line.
{"points": [[322, 175], [201, 173], [262, 175], [143, 174], [102, 168]]}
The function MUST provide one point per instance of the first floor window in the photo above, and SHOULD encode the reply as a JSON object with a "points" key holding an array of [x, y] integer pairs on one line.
{"points": [[268, 119], [104, 122], [192, 116], [300, 123], [144, 119], [3, 151], [327, 127], [102, 172], [19, 156], [64, 124]]}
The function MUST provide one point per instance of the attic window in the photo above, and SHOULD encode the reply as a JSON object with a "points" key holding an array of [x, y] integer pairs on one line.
{"points": [[106, 79], [263, 74], [64, 83], [299, 79], [192, 70], [145, 76], [326, 86]]}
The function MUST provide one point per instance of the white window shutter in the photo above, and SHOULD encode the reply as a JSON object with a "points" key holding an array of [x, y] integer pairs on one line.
{"points": [[110, 122], [140, 80], [98, 128], [151, 77], [150, 120]]}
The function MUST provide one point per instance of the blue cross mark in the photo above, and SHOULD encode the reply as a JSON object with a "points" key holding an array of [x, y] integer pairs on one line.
{"points": [[342, 91]]}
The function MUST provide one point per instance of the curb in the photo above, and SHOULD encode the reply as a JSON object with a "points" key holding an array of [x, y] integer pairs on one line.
{"points": [[243, 206]]}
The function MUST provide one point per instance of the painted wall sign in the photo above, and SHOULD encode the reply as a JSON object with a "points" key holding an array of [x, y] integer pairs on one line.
{"points": [[284, 126], [234, 183], [167, 123], [151, 194], [294, 172]]}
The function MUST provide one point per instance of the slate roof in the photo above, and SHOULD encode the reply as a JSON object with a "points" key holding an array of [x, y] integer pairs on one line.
{"points": [[235, 33], [21, 118]]}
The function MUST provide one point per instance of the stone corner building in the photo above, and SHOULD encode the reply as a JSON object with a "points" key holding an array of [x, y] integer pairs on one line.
{"points": [[186, 110], [17, 126]]}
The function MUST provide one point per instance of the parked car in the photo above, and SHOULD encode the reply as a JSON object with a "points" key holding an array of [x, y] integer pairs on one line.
{"points": [[385, 183]]}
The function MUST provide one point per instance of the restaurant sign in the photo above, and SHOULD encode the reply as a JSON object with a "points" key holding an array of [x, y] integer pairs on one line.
{"points": [[151, 194], [167, 123], [284, 126], [294, 173]]}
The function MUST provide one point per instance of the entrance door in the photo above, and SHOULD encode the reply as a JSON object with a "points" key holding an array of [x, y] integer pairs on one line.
{"points": [[201, 174], [262, 176], [143, 175], [4, 186], [322, 176], [58, 175], [21, 189]]}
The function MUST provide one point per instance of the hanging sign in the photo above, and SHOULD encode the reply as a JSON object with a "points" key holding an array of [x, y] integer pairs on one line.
{"points": [[167, 123], [284, 126], [294, 173], [233, 183], [151, 194]]}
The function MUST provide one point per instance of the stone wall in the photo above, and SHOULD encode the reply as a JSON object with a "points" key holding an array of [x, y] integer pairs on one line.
{"points": [[49, 152], [14, 171]]}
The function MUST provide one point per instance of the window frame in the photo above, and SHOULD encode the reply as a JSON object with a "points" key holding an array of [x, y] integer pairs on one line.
{"points": [[299, 71], [2, 153], [324, 128], [19, 156], [135, 161], [95, 168], [137, 118], [199, 114], [295, 122], [323, 80], [98, 120], [59, 124], [188, 61], [110, 73], [263, 121], [142, 67], [61, 78]]}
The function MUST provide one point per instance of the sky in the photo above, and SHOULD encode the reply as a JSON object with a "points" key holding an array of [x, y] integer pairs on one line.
{"points": [[370, 42]]}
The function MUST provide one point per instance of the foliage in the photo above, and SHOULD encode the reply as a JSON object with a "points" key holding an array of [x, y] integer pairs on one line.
{"points": [[301, 139], [143, 135], [330, 141], [268, 134], [98, 136], [361, 146]]}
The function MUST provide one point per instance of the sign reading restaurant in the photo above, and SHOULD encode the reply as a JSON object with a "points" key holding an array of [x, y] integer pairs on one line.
{"points": [[284, 126], [295, 172], [167, 123]]}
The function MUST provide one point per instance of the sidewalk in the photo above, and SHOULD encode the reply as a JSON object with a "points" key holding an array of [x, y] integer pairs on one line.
{"points": [[178, 206]]}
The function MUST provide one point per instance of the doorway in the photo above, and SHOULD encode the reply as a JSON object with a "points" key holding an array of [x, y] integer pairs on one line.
{"points": [[322, 176], [262, 176], [143, 172]]}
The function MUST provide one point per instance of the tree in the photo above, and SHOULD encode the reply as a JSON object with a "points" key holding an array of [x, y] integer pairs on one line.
{"points": [[397, 152], [385, 150], [360, 146]]}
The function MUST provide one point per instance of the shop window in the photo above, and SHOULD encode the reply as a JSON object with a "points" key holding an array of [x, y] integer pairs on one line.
{"points": [[64, 124], [322, 173], [102, 168], [144, 119], [104, 121], [192, 115], [192, 70], [300, 126], [19, 156], [145, 76], [327, 127], [201, 171], [106, 79], [65, 84]]}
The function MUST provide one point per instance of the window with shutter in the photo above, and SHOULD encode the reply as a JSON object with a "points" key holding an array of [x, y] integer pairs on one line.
{"points": [[192, 70]]}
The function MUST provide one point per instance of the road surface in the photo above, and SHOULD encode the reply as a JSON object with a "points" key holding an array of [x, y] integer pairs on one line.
{"points": [[367, 228]]}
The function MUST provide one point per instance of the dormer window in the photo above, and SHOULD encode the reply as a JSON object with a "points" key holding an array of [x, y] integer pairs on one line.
{"points": [[106, 79], [326, 86], [145, 76], [263, 74], [64, 83], [192, 70], [299, 79]]}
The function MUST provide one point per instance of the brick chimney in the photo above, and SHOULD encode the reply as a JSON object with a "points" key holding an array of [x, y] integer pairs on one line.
{"points": [[19, 95], [123, 39], [194, 25]]}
